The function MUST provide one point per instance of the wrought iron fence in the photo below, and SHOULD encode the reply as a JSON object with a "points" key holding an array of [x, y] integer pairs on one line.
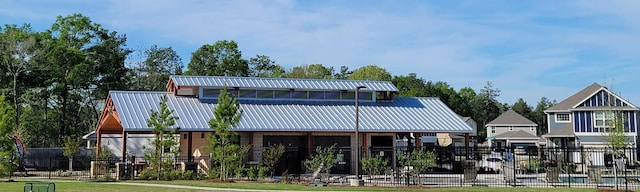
{"points": [[454, 166]]}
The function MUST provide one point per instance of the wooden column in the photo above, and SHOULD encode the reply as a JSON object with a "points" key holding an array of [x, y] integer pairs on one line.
{"points": [[466, 144], [190, 146], [124, 145], [309, 143], [98, 142]]}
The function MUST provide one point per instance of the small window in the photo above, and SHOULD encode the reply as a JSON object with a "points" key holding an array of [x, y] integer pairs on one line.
{"points": [[299, 94], [493, 129], [563, 117], [316, 94], [201, 135], [247, 94], [335, 95], [210, 92], [184, 136], [365, 95], [282, 94], [348, 95]]}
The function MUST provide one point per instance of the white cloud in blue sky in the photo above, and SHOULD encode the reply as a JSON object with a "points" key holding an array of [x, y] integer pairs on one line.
{"points": [[528, 49]]}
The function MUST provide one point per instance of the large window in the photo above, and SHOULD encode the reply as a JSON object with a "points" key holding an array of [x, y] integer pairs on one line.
{"points": [[563, 117], [603, 119]]}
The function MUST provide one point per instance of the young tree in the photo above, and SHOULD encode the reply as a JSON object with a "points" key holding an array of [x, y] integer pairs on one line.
{"points": [[615, 138], [163, 127], [416, 161], [227, 115], [71, 146], [271, 156], [324, 159], [6, 144], [374, 165]]}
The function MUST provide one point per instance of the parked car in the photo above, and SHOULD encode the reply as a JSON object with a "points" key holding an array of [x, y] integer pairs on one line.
{"points": [[492, 163]]}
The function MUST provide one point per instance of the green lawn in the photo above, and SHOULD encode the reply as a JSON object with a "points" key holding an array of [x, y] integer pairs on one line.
{"points": [[120, 186]]}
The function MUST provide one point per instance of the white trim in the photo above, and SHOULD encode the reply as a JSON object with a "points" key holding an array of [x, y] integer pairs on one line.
{"points": [[563, 121], [512, 125]]}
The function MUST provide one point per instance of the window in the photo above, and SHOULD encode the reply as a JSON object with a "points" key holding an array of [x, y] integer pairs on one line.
{"points": [[603, 119], [563, 117], [210, 92], [201, 135], [493, 129]]}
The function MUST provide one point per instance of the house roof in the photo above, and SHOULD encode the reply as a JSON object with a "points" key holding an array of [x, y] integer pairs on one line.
{"points": [[574, 99], [511, 117], [564, 131], [402, 115], [520, 134], [281, 83]]}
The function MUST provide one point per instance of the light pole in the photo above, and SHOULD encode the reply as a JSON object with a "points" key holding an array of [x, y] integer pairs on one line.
{"points": [[357, 141]]}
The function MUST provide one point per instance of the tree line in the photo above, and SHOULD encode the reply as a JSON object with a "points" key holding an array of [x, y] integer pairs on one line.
{"points": [[57, 79]]}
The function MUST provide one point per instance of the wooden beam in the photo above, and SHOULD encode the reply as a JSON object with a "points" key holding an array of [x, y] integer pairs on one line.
{"points": [[98, 142]]}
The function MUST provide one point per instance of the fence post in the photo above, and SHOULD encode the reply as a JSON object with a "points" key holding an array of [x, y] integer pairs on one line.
{"points": [[49, 169]]}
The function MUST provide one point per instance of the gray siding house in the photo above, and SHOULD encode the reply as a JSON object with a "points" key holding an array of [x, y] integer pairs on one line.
{"points": [[511, 129]]}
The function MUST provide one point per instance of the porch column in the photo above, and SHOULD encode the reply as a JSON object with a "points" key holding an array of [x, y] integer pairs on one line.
{"points": [[98, 142], [190, 146], [466, 145], [124, 146]]}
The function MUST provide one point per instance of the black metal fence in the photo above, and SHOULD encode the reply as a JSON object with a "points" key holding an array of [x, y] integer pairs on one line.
{"points": [[454, 167]]}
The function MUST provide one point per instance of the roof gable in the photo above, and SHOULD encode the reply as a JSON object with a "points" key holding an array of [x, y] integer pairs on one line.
{"points": [[516, 134], [576, 98], [603, 98], [511, 117], [281, 83]]}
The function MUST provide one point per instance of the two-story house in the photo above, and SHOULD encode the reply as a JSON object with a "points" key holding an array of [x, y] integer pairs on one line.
{"points": [[584, 119], [512, 130]]}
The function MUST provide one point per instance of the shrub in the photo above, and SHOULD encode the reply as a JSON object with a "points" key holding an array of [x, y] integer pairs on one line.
{"points": [[374, 165], [263, 171], [252, 172], [147, 174]]}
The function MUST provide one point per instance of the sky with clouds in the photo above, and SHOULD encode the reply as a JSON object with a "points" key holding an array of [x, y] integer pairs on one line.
{"points": [[527, 49]]}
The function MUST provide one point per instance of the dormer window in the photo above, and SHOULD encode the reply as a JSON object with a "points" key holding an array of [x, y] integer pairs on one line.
{"points": [[563, 117]]}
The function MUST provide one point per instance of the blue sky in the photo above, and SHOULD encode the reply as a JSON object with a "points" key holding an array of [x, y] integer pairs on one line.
{"points": [[528, 49]]}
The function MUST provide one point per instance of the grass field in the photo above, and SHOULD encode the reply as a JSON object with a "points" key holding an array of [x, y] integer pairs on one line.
{"points": [[130, 186]]}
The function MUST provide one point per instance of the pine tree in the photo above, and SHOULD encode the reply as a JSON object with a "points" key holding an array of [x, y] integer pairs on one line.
{"points": [[225, 151]]}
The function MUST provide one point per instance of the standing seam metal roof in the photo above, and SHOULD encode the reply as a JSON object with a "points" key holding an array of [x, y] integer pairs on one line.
{"points": [[402, 115], [281, 83]]}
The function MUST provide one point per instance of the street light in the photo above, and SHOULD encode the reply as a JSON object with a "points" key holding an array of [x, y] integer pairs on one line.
{"points": [[357, 141]]}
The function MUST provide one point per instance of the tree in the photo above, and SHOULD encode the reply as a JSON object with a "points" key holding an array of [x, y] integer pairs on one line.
{"points": [[153, 73], [312, 71], [615, 138], [271, 156], [161, 122], [410, 86], [522, 108], [539, 116], [416, 161], [81, 62], [486, 107], [227, 115], [263, 66], [71, 146], [324, 159], [370, 72], [374, 165], [343, 73], [220, 59], [17, 47], [7, 161]]}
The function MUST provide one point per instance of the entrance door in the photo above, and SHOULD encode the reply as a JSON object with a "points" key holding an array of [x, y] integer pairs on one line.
{"points": [[296, 152]]}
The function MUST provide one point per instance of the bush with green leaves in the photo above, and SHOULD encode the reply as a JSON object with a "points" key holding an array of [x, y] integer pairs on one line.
{"points": [[374, 165], [271, 155], [324, 159]]}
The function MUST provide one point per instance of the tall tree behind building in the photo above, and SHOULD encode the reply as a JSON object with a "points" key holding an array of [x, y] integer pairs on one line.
{"points": [[220, 59]]}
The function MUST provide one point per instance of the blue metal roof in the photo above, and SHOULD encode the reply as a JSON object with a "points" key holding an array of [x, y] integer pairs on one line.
{"points": [[282, 83], [401, 115]]}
